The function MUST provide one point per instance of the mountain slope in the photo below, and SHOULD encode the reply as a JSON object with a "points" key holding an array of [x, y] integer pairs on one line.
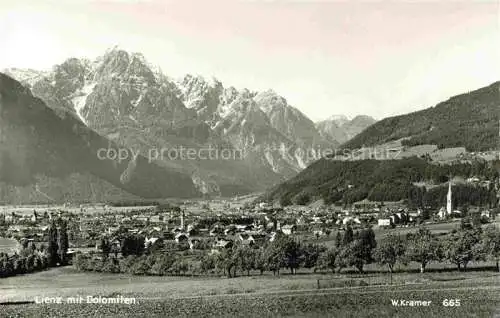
{"points": [[347, 182], [339, 129], [37, 141], [469, 120]]}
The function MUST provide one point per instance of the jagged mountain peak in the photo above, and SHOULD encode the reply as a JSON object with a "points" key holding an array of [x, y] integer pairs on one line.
{"points": [[338, 119], [199, 80], [340, 129], [118, 63], [270, 100]]}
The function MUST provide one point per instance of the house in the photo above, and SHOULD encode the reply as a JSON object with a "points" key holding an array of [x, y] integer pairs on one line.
{"points": [[318, 233], [384, 222], [272, 236], [246, 239], [181, 237], [350, 219], [289, 229], [16, 228], [231, 230], [223, 243], [150, 241], [112, 229], [216, 231], [242, 228], [473, 180], [259, 238], [193, 243], [486, 214], [270, 225], [442, 214], [263, 205], [155, 219], [126, 219], [177, 230], [143, 219], [316, 220], [192, 232], [115, 244]]}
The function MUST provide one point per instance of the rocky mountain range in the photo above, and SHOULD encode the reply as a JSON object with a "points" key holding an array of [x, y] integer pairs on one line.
{"points": [[131, 104], [50, 156]]}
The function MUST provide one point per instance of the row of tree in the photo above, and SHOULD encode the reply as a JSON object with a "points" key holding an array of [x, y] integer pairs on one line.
{"points": [[460, 247], [352, 249], [31, 258]]}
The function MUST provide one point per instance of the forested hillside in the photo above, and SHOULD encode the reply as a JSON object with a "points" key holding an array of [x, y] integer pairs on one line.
{"points": [[468, 120], [346, 182]]}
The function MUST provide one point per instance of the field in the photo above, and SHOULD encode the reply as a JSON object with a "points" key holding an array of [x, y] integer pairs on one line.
{"points": [[266, 296], [479, 302]]}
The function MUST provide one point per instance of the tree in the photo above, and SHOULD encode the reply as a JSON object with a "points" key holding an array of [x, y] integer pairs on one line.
{"points": [[292, 254], [285, 201], [62, 242], [111, 265], [367, 236], [302, 199], [461, 247], [53, 257], [327, 259], [423, 248], [140, 267], [207, 264], [132, 245], [105, 247], [490, 244], [310, 254], [228, 261], [274, 256], [358, 252], [162, 264], [245, 258], [390, 251], [338, 240], [352, 254], [261, 260], [348, 235], [81, 261]]}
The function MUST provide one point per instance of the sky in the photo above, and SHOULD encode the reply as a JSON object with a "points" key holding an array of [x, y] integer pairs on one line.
{"points": [[379, 58]]}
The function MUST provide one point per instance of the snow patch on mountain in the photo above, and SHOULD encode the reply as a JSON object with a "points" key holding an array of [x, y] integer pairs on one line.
{"points": [[300, 161], [270, 160], [80, 99]]}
